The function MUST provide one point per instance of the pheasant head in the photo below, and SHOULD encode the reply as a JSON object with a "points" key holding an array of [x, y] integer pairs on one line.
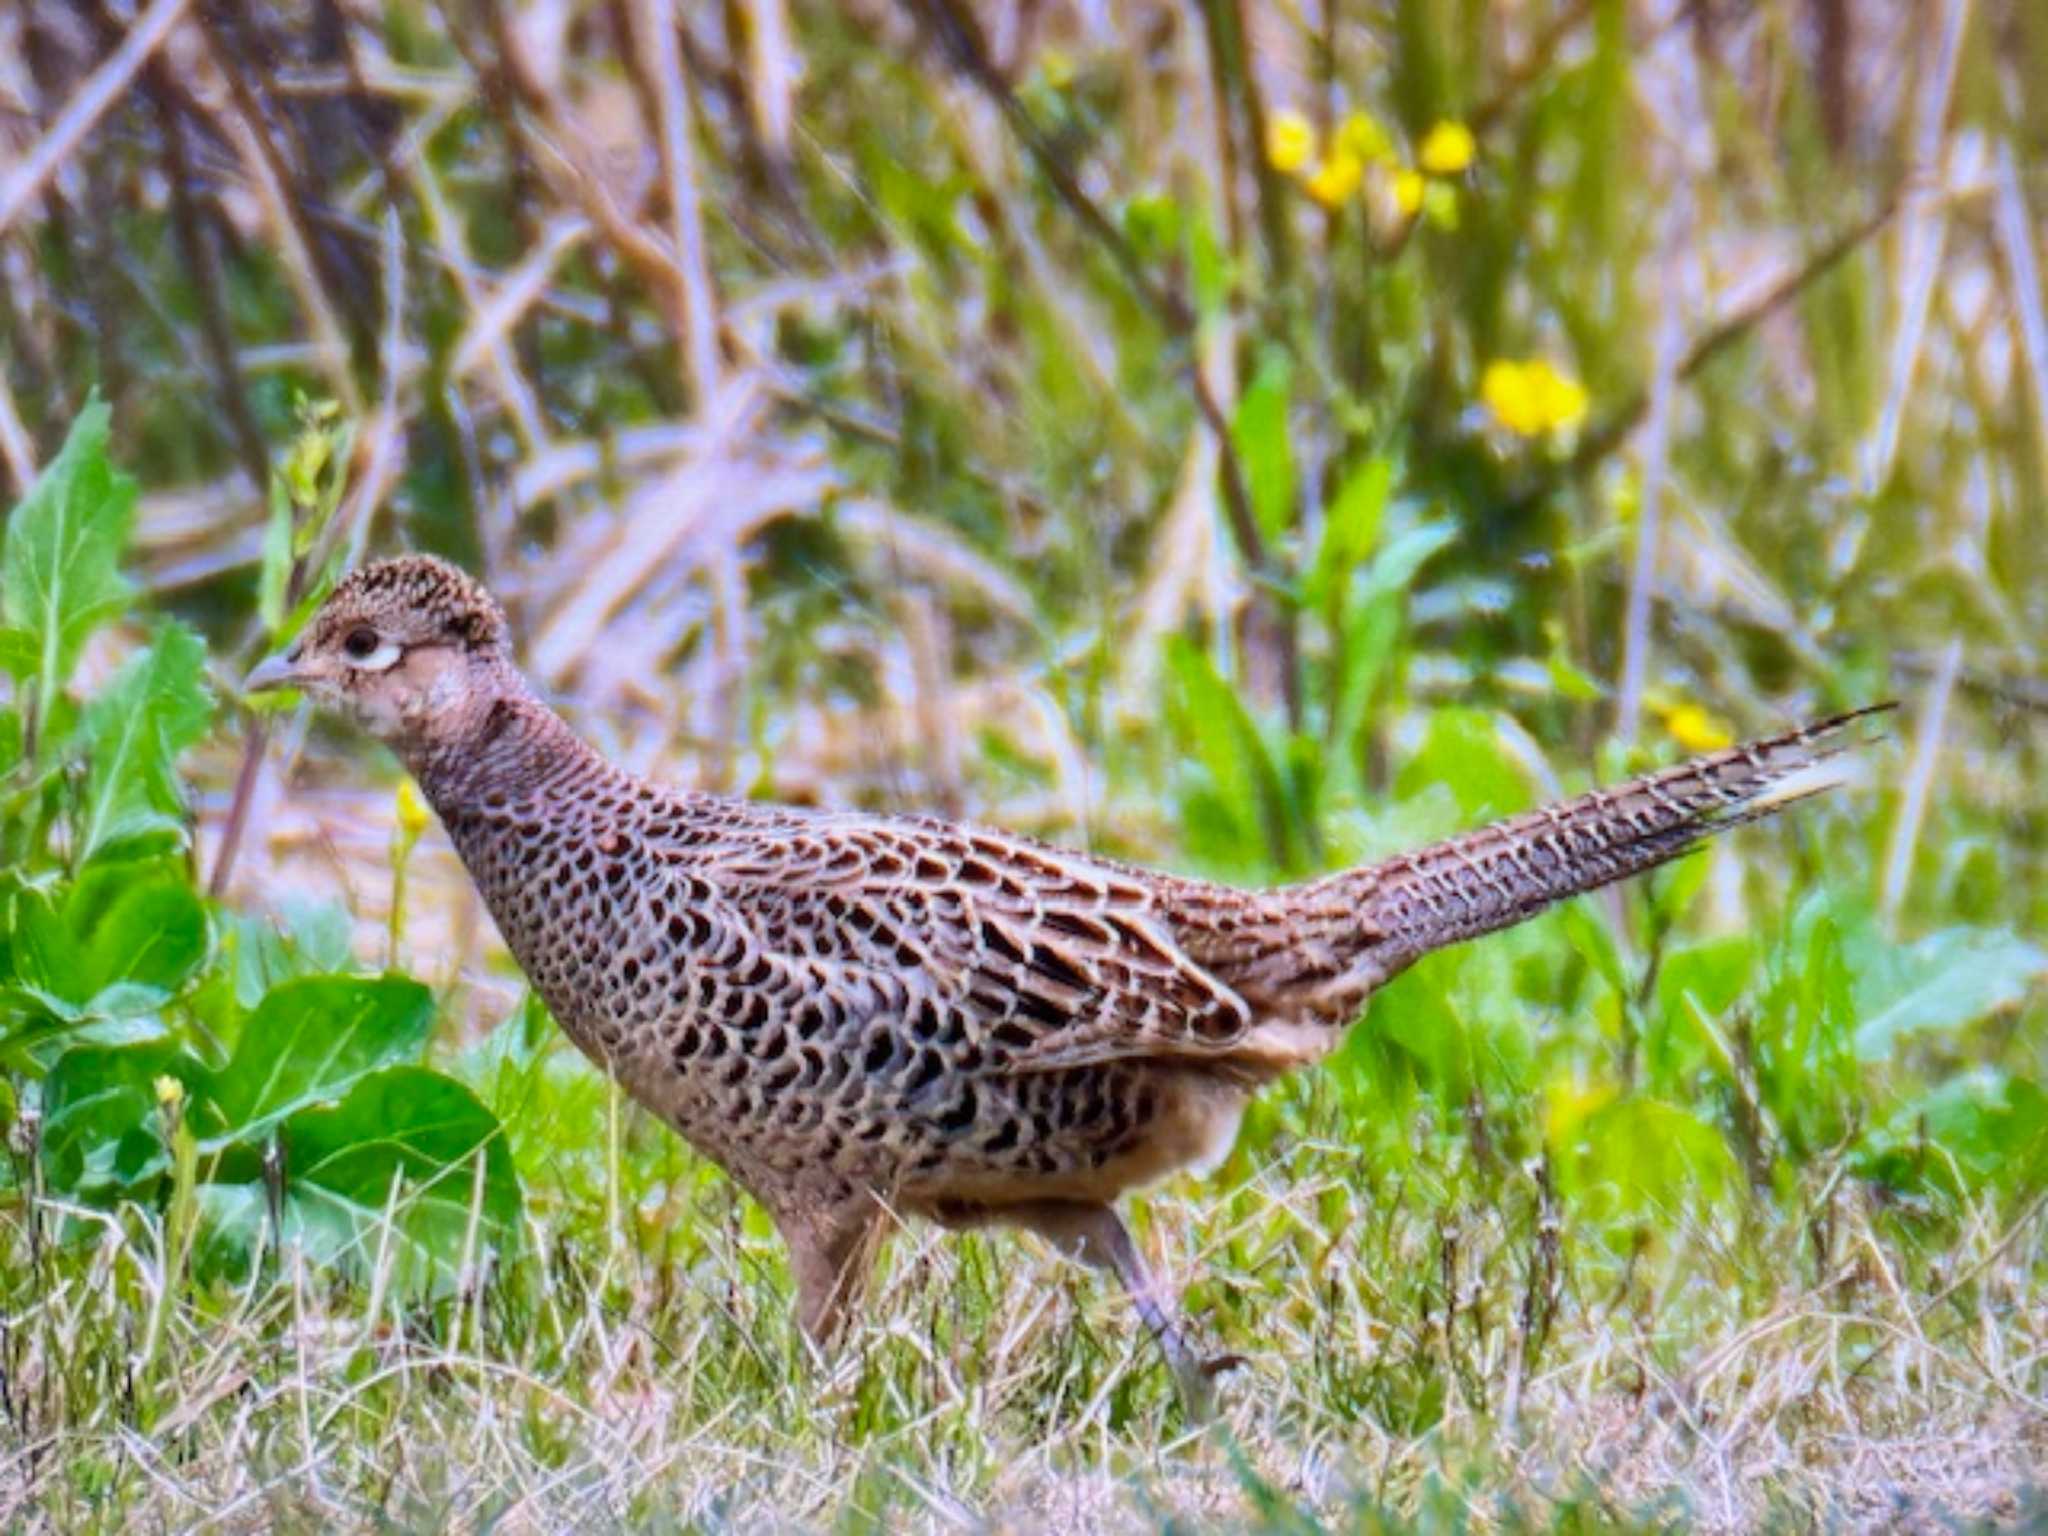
{"points": [[411, 649]]}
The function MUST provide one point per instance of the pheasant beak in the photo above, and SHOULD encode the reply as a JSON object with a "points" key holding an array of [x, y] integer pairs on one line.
{"points": [[279, 671]]}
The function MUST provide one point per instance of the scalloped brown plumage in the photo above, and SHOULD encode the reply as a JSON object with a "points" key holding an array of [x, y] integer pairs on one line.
{"points": [[857, 1015]]}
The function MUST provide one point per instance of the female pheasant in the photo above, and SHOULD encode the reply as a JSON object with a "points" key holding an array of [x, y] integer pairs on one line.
{"points": [[857, 1015]]}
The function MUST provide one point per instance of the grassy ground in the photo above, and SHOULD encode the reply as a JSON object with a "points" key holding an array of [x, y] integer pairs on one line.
{"points": [[648, 1378]]}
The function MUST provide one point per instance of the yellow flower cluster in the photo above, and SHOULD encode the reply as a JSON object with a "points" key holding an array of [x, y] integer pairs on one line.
{"points": [[1332, 174], [1532, 398]]}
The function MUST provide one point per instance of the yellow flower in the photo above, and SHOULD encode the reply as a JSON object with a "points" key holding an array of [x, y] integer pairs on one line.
{"points": [[1334, 181], [1531, 398], [1696, 730], [1447, 149], [1408, 190], [1364, 137], [1290, 141], [170, 1093], [412, 811], [1057, 67]]}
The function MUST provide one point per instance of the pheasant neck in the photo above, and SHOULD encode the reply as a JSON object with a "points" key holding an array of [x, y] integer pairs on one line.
{"points": [[506, 748]]}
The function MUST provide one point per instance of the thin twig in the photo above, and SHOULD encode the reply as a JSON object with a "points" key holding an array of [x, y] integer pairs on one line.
{"points": [[1923, 233], [1635, 665], [240, 124], [1920, 779], [696, 308], [202, 262], [16, 447], [963, 41], [86, 107]]}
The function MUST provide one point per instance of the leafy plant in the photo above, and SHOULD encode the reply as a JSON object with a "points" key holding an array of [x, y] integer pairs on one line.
{"points": [[178, 1055]]}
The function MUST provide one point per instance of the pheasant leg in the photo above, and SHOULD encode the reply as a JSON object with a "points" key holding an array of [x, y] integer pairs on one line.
{"points": [[1096, 1236]]}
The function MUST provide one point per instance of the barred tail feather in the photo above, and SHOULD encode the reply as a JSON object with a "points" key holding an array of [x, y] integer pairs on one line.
{"points": [[1504, 873]]}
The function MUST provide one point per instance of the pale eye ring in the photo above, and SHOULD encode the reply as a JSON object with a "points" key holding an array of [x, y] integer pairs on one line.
{"points": [[368, 650]]}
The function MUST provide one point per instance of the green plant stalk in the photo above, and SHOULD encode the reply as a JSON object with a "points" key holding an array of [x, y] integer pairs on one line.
{"points": [[403, 841], [180, 1225]]}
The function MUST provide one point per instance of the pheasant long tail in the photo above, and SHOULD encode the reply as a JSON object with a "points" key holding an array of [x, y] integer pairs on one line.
{"points": [[1509, 871]]}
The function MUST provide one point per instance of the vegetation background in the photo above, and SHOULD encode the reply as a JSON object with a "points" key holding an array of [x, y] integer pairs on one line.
{"points": [[1245, 435]]}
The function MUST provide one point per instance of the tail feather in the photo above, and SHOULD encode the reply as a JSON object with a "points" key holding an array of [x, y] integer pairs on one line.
{"points": [[1511, 870]]}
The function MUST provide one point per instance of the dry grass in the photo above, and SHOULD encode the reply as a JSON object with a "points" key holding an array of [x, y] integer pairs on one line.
{"points": [[994, 1387]]}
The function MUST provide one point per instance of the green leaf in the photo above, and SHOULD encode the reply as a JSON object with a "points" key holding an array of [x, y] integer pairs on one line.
{"points": [[59, 570], [119, 942], [310, 1041], [10, 740], [1980, 1127], [1942, 983], [152, 935], [101, 1133], [1264, 446], [1415, 1014], [1350, 530], [1628, 1158], [394, 1169], [151, 711], [1227, 741], [1464, 752], [1697, 986], [18, 655], [304, 937], [1394, 568]]}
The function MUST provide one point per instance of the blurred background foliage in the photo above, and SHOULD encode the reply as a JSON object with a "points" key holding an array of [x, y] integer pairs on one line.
{"points": [[1243, 435]]}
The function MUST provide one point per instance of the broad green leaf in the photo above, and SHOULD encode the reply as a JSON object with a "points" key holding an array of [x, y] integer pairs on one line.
{"points": [[1805, 1041], [398, 1167], [1464, 752], [1586, 926], [60, 568], [18, 655], [152, 935], [150, 712], [1710, 975], [310, 1041], [10, 740], [1415, 1014], [96, 965], [1981, 1127], [1261, 434], [1697, 984], [1634, 1157], [1228, 742], [1942, 983], [304, 938], [102, 1133]]}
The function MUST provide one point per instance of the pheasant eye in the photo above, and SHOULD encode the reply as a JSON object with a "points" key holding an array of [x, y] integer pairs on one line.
{"points": [[361, 643]]}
